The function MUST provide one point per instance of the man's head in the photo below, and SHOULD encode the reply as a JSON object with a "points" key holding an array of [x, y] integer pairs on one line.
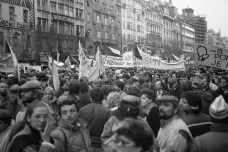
{"points": [[97, 83], [158, 85], [74, 87], [197, 83], [168, 106], [5, 119], [147, 76], [147, 97], [206, 81], [191, 102], [174, 77], [30, 91], [69, 111], [119, 85], [97, 94], [184, 79], [3, 88]]}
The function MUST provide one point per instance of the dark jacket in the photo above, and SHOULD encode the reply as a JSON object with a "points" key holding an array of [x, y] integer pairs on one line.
{"points": [[176, 91], [85, 98], [207, 99], [213, 141], [77, 136], [193, 118], [96, 116], [152, 117]]}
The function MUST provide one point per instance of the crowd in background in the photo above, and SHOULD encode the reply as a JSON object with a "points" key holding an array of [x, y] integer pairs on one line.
{"points": [[124, 110]]}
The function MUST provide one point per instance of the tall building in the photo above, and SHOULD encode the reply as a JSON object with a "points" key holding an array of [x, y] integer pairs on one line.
{"points": [[103, 25], [216, 39], [59, 25], [154, 27], [14, 26], [133, 24], [168, 22], [200, 26]]}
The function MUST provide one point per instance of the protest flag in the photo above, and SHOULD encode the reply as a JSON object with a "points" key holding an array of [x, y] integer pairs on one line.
{"points": [[98, 67], [55, 76]]}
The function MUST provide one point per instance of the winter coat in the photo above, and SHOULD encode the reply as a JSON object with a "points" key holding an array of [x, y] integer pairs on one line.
{"points": [[193, 118], [4, 143], [78, 138], [85, 98], [96, 116], [23, 138], [176, 91], [151, 113], [170, 137], [213, 141]]}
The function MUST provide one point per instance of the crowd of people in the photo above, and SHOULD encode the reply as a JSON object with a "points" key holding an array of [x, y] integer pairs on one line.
{"points": [[124, 110]]}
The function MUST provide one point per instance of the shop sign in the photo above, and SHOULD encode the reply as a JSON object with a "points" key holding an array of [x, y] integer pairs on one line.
{"points": [[13, 25], [63, 18], [15, 2]]}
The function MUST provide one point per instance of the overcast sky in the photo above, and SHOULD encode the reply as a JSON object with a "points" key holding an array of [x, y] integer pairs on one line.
{"points": [[216, 12]]}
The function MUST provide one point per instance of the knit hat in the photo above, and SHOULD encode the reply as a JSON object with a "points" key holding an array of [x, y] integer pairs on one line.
{"points": [[219, 108], [168, 98]]}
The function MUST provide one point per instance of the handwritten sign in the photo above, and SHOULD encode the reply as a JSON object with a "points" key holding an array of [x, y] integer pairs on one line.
{"points": [[151, 62], [211, 56]]}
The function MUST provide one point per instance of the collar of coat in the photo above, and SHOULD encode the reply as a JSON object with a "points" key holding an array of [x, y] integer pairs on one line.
{"points": [[63, 124], [219, 128]]}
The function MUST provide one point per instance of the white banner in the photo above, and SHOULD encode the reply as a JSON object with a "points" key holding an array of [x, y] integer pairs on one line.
{"points": [[112, 61], [150, 62]]}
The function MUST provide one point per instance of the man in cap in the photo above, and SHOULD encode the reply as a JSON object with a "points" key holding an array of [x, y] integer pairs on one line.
{"points": [[174, 135], [13, 100], [216, 139], [30, 93]]}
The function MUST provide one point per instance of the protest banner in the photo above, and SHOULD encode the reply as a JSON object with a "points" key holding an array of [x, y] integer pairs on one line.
{"points": [[37, 68], [151, 62], [211, 56]]}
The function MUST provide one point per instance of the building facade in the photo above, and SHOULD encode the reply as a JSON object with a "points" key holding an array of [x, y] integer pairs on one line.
{"points": [[58, 27], [200, 26], [133, 24], [154, 27], [14, 26], [103, 25]]}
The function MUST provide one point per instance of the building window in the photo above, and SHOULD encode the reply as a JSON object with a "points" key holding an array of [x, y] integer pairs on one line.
{"points": [[88, 17], [54, 25], [79, 13], [1, 38], [138, 28], [123, 12], [53, 7], [106, 20], [138, 17], [39, 21], [112, 19], [98, 34], [0, 11], [128, 38], [128, 13], [61, 10], [113, 36], [61, 27], [45, 24], [71, 11], [38, 4], [98, 18], [12, 13], [123, 24], [128, 25], [44, 5], [25, 16], [82, 30], [66, 10], [106, 35]]}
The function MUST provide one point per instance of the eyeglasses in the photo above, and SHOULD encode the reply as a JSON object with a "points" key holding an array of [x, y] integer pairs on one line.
{"points": [[71, 112]]}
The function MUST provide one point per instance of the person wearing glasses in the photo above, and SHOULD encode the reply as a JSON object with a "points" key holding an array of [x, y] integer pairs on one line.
{"points": [[32, 134], [71, 135]]}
